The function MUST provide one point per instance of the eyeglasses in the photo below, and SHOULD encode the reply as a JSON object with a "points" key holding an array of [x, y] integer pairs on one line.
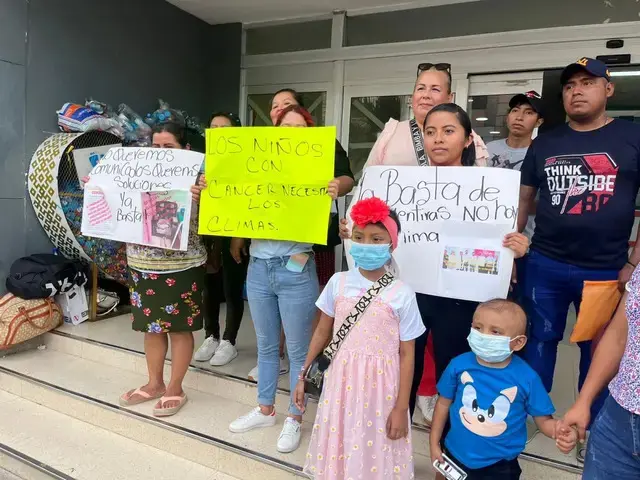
{"points": [[441, 67]]}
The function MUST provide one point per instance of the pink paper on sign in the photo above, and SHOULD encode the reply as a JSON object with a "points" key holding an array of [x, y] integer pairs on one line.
{"points": [[99, 211]]}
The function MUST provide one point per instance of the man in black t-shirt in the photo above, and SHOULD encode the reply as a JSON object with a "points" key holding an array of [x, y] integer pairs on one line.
{"points": [[587, 173]]}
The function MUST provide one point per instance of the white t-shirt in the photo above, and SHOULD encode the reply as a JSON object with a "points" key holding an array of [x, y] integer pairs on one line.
{"points": [[402, 301]]}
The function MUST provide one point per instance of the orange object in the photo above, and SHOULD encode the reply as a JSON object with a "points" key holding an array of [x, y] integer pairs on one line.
{"points": [[22, 320], [599, 303]]}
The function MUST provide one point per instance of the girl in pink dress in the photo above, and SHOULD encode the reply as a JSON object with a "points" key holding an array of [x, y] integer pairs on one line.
{"points": [[362, 428]]}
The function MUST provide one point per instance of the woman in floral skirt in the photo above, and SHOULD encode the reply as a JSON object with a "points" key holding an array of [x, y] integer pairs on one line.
{"points": [[166, 299]]}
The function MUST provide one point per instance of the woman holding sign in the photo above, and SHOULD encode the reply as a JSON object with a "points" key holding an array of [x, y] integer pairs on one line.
{"points": [[325, 256], [282, 286], [224, 281], [166, 299], [448, 142]]}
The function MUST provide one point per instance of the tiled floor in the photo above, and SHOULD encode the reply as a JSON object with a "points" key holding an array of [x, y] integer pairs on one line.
{"points": [[117, 331]]}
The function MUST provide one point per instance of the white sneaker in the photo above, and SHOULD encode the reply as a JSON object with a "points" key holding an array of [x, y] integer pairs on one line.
{"points": [[224, 354], [254, 419], [289, 439], [284, 369], [207, 349], [427, 405]]}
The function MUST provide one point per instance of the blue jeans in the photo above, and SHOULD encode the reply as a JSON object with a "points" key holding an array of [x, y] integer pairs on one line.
{"points": [[613, 450], [550, 287], [279, 296]]}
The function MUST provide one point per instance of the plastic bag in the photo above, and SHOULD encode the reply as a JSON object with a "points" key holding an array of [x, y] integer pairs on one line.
{"points": [[76, 118]]}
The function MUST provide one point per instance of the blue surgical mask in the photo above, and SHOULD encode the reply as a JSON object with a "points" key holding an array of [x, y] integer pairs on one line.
{"points": [[490, 348], [370, 256]]}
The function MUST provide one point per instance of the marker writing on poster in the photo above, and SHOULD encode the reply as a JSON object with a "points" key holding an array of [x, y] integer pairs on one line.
{"points": [[264, 183], [422, 204], [145, 169], [127, 211]]}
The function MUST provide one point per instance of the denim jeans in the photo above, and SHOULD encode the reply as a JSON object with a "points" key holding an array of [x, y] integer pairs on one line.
{"points": [[613, 450], [279, 296], [550, 287]]}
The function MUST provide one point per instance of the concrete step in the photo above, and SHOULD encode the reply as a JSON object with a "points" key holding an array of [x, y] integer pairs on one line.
{"points": [[48, 444], [83, 378]]}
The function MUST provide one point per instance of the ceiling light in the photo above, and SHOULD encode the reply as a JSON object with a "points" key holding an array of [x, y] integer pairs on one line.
{"points": [[494, 132], [626, 73], [482, 119]]}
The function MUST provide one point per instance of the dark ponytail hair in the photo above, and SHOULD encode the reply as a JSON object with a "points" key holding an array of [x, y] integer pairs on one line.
{"points": [[174, 128], [235, 121], [469, 153], [296, 96]]}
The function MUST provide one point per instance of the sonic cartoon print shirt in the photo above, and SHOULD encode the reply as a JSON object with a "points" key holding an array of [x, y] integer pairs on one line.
{"points": [[588, 182], [490, 407]]}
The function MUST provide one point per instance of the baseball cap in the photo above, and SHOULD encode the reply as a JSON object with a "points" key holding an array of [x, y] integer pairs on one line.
{"points": [[531, 97], [590, 65]]}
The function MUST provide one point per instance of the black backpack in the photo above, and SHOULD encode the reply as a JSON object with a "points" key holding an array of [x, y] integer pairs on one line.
{"points": [[44, 275]]}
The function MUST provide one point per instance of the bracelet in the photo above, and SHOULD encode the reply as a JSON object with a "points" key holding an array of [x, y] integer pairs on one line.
{"points": [[629, 263], [301, 377]]}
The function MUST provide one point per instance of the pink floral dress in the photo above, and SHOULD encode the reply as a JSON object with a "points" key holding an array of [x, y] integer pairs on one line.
{"points": [[349, 439]]}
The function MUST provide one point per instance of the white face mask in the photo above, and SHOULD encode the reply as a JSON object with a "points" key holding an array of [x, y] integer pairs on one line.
{"points": [[490, 348]]}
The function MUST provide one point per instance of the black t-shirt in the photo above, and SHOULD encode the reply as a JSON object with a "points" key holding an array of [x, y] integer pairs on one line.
{"points": [[341, 164], [588, 183]]}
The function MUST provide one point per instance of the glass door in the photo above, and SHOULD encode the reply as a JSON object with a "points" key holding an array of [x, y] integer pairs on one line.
{"points": [[488, 103], [366, 110]]}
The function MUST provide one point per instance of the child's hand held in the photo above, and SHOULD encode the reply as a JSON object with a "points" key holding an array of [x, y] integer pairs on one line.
{"points": [[565, 436]]}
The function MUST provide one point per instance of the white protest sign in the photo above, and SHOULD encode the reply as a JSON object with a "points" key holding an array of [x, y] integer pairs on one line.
{"points": [[453, 220], [142, 195]]}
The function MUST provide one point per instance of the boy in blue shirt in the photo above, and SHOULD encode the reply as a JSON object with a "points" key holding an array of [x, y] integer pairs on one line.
{"points": [[487, 394]]}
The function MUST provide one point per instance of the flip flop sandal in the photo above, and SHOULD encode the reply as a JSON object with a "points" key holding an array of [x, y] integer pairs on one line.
{"points": [[167, 412], [140, 397]]}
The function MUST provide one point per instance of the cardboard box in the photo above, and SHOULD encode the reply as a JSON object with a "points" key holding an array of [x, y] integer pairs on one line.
{"points": [[74, 306]]}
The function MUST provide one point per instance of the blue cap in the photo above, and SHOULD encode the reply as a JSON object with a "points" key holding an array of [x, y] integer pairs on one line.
{"points": [[592, 66]]}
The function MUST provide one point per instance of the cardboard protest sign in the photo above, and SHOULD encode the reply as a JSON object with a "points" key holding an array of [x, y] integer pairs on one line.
{"points": [[142, 195], [453, 221], [268, 183]]}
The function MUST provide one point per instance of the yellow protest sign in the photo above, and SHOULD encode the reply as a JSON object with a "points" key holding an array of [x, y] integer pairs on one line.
{"points": [[268, 183]]}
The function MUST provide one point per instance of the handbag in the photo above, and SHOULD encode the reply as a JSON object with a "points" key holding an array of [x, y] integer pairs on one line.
{"points": [[314, 376], [22, 320]]}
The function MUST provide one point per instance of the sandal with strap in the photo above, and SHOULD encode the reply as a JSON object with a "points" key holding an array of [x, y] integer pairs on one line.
{"points": [[142, 397], [167, 412]]}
